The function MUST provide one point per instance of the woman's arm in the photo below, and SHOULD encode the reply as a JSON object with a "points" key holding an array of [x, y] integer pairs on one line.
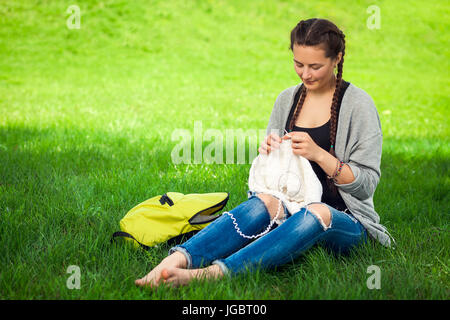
{"points": [[361, 172], [364, 164], [329, 164]]}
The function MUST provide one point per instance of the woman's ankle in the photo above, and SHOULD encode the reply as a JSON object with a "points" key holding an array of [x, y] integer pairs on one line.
{"points": [[179, 259]]}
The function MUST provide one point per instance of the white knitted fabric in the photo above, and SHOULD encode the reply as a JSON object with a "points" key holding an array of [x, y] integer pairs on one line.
{"points": [[286, 176]]}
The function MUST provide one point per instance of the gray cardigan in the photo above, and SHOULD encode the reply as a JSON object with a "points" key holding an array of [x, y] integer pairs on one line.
{"points": [[358, 144]]}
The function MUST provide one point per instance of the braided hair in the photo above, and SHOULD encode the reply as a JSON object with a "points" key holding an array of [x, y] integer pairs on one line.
{"points": [[315, 32]]}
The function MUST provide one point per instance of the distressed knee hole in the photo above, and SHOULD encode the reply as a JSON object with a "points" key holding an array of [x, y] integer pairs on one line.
{"points": [[271, 204], [322, 212]]}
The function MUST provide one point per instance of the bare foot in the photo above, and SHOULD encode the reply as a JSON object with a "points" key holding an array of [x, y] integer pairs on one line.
{"points": [[153, 278], [181, 277]]}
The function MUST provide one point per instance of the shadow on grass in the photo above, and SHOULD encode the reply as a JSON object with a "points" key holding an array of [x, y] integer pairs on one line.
{"points": [[61, 163]]}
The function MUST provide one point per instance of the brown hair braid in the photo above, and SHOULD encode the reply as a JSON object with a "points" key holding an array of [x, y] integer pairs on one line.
{"points": [[324, 33]]}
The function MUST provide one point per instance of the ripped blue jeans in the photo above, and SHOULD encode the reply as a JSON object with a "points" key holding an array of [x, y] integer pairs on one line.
{"points": [[220, 243]]}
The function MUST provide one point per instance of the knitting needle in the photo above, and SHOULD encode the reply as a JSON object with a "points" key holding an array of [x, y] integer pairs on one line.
{"points": [[287, 133]]}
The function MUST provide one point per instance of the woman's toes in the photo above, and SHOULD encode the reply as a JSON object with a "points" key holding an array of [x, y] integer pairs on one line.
{"points": [[151, 279], [177, 276], [141, 282]]}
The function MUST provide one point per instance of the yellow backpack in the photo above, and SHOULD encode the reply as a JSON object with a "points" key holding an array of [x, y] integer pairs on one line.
{"points": [[170, 217]]}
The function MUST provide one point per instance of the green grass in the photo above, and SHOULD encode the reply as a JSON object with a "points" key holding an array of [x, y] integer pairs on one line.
{"points": [[87, 117]]}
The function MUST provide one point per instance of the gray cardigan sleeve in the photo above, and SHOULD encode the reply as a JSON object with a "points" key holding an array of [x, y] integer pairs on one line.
{"points": [[274, 120], [365, 164], [364, 150]]}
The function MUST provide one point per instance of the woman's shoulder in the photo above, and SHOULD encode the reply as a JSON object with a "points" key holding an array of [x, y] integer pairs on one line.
{"points": [[357, 97], [358, 108], [357, 103]]}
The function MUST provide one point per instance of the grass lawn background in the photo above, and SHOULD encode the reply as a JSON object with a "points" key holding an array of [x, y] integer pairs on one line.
{"points": [[86, 118]]}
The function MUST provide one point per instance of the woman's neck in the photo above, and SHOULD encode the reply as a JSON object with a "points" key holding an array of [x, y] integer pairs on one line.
{"points": [[325, 91]]}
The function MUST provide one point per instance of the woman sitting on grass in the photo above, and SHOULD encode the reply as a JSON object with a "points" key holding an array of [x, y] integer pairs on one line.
{"points": [[333, 124]]}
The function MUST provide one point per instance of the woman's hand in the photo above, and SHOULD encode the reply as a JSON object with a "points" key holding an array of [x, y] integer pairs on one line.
{"points": [[272, 141], [303, 145]]}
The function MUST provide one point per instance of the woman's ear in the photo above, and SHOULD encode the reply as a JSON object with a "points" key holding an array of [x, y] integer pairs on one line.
{"points": [[338, 59]]}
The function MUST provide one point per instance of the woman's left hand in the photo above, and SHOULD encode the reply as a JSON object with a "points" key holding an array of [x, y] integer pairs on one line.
{"points": [[304, 145]]}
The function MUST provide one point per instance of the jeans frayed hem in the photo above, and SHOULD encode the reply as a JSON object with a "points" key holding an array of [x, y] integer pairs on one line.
{"points": [[186, 254], [223, 267]]}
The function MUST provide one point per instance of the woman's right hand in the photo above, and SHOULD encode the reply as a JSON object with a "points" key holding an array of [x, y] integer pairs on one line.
{"points": [[272, 141]]}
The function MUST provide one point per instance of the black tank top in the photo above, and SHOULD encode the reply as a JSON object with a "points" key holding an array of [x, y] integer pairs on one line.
{"points": [[321, 136]]}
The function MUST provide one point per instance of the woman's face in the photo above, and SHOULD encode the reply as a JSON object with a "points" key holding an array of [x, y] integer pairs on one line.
{"points": [[315, 70]]}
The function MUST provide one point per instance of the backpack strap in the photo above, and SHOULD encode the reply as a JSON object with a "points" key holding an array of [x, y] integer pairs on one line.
{"points": [[127, 235], [172, 241]]}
